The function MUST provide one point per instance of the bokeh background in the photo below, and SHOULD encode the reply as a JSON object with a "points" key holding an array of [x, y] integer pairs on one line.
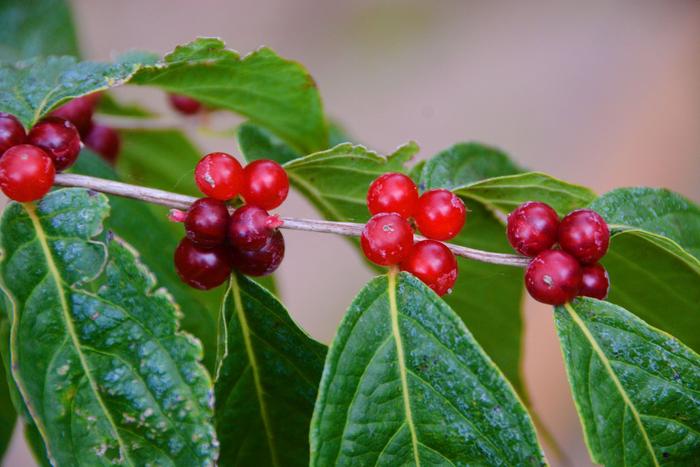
{"points": [[604, 93]]}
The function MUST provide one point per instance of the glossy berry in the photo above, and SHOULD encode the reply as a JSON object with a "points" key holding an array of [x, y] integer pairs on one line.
{"points": [[584, 234], [185, 105], [251, 227], [201, 267], [266, 184], [105, 141], [26, 173], [553, 277], [206, 222], [59, 139], [434, 264], [595, 282], [440, 214], [11, 132], [262, 261], [78, 111], [532, 228], [386, 239], [219, 176], [393, 192]]}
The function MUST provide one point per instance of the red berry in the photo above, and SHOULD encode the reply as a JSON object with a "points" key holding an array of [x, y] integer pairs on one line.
{"points": [[78, 111], [262, 261], [219, 176], [185, 105], [393, 192], [251, 227], [553, 277], [206, 222], [434, 264], [201, 267], [105, 141], [440, 214], [584, 234], [11, 132], [59, 139], [26, 173], [595, 282], [266, 184], [532, 228], [387, 239]]}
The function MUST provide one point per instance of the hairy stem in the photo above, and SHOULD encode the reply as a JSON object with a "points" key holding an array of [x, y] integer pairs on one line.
{"points": [[178, 201]]}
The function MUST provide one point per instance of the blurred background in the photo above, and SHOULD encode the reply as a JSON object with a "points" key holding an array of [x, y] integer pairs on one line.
{"points": [[601, 93]]}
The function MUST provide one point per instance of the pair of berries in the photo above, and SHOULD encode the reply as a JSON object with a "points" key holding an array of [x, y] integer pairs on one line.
{"points": [[387, 238], [557, 276], [249, 240]]}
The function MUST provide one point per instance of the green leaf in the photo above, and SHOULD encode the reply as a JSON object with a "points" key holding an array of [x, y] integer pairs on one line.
{"points": [[96, 353], [256, 143], [156, 245], [636, 388], [8, 414], [30, 28], [267, 383], [336, 180], [508, 192], [36, 445], [405, 383]]}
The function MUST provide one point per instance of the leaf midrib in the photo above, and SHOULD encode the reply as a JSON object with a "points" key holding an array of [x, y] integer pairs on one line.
{"points": [[70, 329], [613, 376]]}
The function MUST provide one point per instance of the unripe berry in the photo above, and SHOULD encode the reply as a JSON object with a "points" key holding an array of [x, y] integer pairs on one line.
{"points": [[206, 222], [219, 176], [201, 267], [393, 192], [553, 277], [11, 132], [26, 173], [262, 261], [440, 214], [185, 105], [595, 282], [532, 228], [434, 264], [78, 111], [584, 234], [105, 141], [59, 139], [265, 185], [251, 227], [386, 239]]}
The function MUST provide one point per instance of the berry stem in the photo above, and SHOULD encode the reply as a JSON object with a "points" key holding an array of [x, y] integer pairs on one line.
{"points": [[350, 229]]}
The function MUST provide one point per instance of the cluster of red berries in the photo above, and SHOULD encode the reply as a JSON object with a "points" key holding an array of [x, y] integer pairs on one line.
{"points": [[556, 276], [29, 161], [387, 238], [248, 240]]}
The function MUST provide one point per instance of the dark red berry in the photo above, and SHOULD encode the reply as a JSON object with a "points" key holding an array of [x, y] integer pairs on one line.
{"points": [[266, 184], [78, 111], [434, 264], [26, 173], [532, 228], [393, 192], [206, 222], [262, 261], [553, 277], [440, 214], [584, 234], [251, 227], [59, 139], [219, 176], [184, 105], [11, 132], [201, 267], [595, 282], [105, 141], [387, 239]]}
